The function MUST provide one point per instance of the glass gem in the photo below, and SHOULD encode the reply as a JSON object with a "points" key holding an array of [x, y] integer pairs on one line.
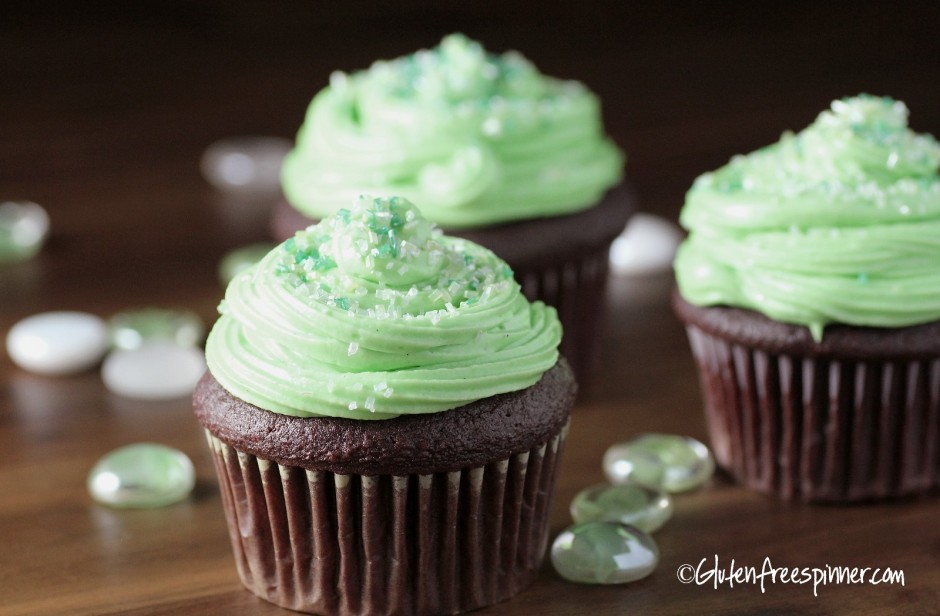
{"points": [[245, 164], [23, 229], [624, 463], [630, 503], [133, 328], [647, 245], [57, 343], [687, 463], [604, 553], [142, 475], [154, 371], [240, 259]]}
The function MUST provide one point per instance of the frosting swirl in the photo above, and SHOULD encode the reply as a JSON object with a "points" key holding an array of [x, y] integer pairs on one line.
{"points": [[837, 224], [374, 313], [472, 137]]}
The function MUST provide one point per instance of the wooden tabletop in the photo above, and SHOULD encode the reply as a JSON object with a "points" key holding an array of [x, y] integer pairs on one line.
{"points": [[105, 109]]}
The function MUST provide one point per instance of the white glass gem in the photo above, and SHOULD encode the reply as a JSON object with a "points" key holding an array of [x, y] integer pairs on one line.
{"points": [[58, 343], [142, 475], [646, 246], [154, 371], [248, 164]]}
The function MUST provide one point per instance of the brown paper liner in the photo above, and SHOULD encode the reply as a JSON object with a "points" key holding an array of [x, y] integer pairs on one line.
{"points": [[821, 429], [443, 543], [577, 290]]}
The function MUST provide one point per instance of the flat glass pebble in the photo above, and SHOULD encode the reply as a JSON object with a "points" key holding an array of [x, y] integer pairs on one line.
{"points": [[604, 553], [630, 503], [154, 371], [647, 245], [23, 229], [142, 475], [687, 463], [133, 328], [246, 164], [58, 343], [240, 259], [624, 463]]}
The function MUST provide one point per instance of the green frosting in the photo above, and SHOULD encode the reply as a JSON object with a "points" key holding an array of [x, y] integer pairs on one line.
{"points": [[473, 138], [837, 224], [374, 313]]}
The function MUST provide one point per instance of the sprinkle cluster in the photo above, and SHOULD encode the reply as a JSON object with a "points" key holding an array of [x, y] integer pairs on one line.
{"points": [[382, 260], [495, 92], [860, 148], [458, 69]]}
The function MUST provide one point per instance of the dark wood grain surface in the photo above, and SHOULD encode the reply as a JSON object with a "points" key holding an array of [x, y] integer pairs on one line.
{"points": [[105, 109]]}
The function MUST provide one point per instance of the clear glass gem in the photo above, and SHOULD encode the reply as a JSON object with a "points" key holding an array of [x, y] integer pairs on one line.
{"points": [[131, 329], [240, 259], [246, 164], [630, 503], [604, 553], [647, 245], [58, 343], [23, 229], [686, 463], [154, 371], [142, 475]]}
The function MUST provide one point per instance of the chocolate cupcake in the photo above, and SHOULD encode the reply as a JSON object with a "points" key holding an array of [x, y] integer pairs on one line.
{"points": [[489, 149], [386, 412], [810, 288]]}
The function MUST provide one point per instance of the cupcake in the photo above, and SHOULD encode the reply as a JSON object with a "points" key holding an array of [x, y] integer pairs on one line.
{"points": [[810, 289], [386, 413], [491, 150]]}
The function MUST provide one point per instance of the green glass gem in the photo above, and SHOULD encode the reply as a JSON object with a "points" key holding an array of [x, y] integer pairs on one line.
{"points": [[23, 229], [141, 476], [623, 463], [630, 503], [686, 463], [133, 328], [604, 553], [237, 261]]}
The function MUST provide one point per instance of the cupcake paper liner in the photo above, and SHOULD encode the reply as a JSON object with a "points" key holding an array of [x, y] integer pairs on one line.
{"points": [[442, 543], [818, 428], [577, 290]]}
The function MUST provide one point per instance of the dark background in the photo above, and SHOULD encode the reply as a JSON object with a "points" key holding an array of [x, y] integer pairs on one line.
{"points": [[683, 87]]}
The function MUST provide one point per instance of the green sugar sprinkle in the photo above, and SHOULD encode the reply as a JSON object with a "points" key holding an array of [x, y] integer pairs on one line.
{"points": [[382, 260]]}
